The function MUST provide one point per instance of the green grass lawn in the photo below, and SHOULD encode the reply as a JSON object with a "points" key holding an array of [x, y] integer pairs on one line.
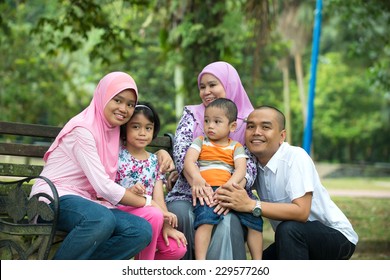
{"points": [[374, 184], [370, 217]]}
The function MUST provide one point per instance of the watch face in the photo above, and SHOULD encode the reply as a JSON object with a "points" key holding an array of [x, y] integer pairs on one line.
{"points": [[256, 212]]}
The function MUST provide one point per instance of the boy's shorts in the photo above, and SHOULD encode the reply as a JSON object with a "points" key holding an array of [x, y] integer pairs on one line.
{"points": [[205, 215]]}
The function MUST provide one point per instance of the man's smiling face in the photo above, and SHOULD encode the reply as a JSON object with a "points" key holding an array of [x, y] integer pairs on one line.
{"points": [[264, 134]]}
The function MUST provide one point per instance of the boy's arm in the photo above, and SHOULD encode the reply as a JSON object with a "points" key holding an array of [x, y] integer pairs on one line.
{"points": [[239, 173], [194, 178], [190, 165]]}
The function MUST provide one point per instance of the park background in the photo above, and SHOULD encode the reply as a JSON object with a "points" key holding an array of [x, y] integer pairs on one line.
{"points": [[53, 53]]}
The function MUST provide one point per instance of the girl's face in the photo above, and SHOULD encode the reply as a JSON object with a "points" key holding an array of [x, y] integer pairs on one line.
{"points": [[139, 131], [120, 108], [210, 88]]}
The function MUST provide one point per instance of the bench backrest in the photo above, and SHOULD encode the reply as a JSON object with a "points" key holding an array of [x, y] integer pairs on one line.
{"points": [[32, 141]]}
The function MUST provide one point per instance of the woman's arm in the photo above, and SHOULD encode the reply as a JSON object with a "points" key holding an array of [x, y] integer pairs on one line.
{"points": [[80, 145], [251, 169], [183, 139], [84, 150]]}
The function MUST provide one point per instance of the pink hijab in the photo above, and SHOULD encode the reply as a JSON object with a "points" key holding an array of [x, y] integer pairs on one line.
{"points": [[235, 91], [92, 118]]}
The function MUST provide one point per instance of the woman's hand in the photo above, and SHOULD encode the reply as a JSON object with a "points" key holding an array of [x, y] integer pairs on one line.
{"points": [[169, 231], [172, 178], [165, 161]]}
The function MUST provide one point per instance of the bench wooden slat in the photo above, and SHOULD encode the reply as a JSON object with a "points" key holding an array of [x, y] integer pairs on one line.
{"points": [[19, 170], [26, 150], [37, 130]]}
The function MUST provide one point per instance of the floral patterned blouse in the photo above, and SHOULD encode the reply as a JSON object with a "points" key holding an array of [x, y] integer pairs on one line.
{"points": [[183, 140], [132, 170]]}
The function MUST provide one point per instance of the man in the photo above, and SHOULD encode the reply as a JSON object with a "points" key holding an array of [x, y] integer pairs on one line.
{"points": [[307, 223]]}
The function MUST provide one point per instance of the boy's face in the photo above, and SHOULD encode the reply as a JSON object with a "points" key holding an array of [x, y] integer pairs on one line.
{"points": [[139, 131], [216, 124]]}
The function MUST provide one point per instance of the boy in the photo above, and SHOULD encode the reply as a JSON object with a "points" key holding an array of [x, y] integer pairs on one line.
{"points": [[218, 161]]}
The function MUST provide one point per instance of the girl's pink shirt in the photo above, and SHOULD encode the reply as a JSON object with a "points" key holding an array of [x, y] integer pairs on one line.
{"points": [[89, 180]]}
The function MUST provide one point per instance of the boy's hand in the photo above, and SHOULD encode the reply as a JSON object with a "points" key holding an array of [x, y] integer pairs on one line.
{"points": [[202, 191]]}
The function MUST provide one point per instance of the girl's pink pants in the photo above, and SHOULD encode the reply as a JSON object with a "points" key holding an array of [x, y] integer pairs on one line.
{"points": [[157, 249]]}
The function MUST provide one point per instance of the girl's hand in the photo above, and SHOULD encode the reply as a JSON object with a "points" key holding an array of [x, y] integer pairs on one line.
{"points": [[138, 189], [170, 218], [169, 231], [165, 161]]}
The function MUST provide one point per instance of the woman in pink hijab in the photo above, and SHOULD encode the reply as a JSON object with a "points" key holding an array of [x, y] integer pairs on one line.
{"points": [[82, 164], [218, 79]]}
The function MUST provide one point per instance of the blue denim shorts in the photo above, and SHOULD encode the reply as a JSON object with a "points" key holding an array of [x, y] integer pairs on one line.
{"points": [[205, 215]]}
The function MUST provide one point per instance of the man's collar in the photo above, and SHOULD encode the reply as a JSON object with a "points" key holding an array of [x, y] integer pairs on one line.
{"points": [[273, 162]]}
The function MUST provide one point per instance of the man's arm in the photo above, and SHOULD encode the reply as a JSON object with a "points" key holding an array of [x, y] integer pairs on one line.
{"points": [[234, 197]]}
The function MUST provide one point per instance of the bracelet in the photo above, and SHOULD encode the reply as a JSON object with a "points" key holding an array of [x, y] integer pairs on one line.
{"points": [[148, 201]]}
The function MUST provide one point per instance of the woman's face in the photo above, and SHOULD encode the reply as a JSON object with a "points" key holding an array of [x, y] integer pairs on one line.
{"points": [[120, 108], [210, 88]]}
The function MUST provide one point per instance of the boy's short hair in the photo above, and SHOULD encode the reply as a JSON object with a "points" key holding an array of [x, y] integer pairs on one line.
{"points": [[228, 107]]}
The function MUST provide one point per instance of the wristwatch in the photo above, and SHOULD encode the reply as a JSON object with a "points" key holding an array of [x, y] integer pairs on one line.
{"points": [[257, 210]]}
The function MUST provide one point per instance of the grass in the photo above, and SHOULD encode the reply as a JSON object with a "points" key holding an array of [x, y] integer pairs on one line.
{"points": [[373, 184], [370, 217]]}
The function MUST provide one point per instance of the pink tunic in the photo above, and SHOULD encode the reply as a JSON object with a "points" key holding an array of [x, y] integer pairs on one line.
{"points": [[75, 168]]}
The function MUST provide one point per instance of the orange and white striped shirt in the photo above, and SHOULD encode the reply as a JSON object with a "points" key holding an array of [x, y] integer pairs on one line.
{"points": [[216, 163]]}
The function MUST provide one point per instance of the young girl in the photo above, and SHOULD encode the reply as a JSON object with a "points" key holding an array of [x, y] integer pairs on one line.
{"points": [[139, 170]]}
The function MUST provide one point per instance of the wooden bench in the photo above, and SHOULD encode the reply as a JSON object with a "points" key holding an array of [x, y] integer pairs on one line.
{"points": [[28, 226]]}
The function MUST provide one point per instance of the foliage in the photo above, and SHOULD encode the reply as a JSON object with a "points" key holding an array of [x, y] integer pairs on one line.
{"points": [[24, 95], [65, 46]]}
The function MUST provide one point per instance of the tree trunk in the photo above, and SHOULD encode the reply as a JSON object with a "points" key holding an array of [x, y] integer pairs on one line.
{"points": [[301, 87], [179, 90], [286, 97]]}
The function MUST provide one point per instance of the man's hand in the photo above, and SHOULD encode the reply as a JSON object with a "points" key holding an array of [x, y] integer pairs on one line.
{"points": [[234, 197]]}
